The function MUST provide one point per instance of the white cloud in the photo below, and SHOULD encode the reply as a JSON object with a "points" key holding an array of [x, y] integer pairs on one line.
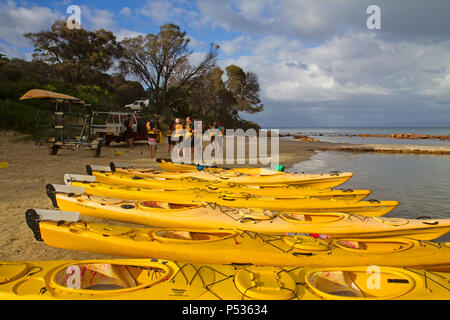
{"points": [[159, 11], [101, 18], [196, 57], [97, 19], [124, 33], [126, 11], [319, 20], [16, 20], [253, 8], [439, 88], [347, 66], [196, 44], [9, 51], [230, 47]]}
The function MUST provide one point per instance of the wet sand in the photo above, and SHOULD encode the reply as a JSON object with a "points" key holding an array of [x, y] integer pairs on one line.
{"points": [[31, 168]]}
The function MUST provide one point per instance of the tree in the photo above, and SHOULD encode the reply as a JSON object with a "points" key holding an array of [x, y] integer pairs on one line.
{"points": [[161, 61], [126, 91], [215, 99], [80, 55], [245, 89], [204, 93]]}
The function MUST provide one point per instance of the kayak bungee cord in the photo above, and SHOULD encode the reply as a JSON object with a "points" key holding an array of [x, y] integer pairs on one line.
{"points": [[428, 278]]}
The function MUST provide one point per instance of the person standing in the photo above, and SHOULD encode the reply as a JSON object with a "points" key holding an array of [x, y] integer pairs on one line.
{"points": [[178, 137], [152, 133], [221, 133], [128, 134], [171, 143], [189, 127], [212, 135]]}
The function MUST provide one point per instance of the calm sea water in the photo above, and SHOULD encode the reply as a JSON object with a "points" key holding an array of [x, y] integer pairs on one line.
{"points": [[420, 183], [340, 135]]}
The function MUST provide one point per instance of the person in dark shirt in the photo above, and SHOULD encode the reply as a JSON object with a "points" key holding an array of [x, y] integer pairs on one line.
{"points": [[128, 134]]}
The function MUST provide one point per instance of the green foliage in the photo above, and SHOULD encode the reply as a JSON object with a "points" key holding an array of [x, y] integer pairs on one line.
{"points": [[22, 118], [80, 55], [245, 89], [96, 95], [222, 101], [18, 76]]}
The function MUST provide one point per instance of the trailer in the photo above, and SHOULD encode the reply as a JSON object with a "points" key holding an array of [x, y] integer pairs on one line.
{"points": [[62, 134]]}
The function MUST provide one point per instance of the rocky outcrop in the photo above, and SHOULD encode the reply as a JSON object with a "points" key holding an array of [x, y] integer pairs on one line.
{"points": [[437, 150], [405, 136], [305, 138]]}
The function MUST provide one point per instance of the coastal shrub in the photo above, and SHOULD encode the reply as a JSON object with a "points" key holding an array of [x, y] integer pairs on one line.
{"points": [[22, 117]]}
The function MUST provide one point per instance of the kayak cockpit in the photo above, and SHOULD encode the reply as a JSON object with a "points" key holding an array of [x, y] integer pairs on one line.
{"points": [[151, 205], [187, 236], [306, 218], [374, 245], [97, 278], [359, 282]]}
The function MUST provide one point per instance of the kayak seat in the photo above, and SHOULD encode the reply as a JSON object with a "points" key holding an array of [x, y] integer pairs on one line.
{"points": [[301, 217], [337, 283], [351, 244], [181, 235], [166, 205], [97, 277], [149, 204]]}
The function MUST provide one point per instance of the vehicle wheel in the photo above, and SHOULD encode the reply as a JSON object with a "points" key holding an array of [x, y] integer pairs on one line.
{"points": [[53, 150]]}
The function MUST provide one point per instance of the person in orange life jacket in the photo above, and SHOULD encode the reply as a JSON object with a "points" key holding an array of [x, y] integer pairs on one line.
{"points": [[178, 135], [189, 127], [152, 132], [128, 134]]}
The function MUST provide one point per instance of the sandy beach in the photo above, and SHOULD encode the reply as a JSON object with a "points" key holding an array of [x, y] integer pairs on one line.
{"points": [[31, 168]]}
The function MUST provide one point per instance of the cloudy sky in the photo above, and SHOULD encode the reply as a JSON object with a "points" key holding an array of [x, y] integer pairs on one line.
{"points": [[317, 62]]}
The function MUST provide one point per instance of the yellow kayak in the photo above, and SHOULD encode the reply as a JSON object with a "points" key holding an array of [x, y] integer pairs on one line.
{"points": [[207, 216], [280, 192], [365, 208], [219, 246], [134, 279], [168, 165], [257, 176]]}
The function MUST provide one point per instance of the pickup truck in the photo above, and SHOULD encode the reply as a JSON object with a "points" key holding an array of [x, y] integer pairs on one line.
{"points": [[138, 105], [113, 128]]}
